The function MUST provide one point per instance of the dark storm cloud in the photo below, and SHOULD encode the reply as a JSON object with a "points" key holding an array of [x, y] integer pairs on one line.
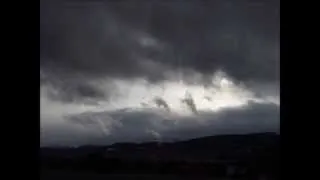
{"points": [[145, 38], [85, 38], [83, 42], [241, 37], [136, 125]]}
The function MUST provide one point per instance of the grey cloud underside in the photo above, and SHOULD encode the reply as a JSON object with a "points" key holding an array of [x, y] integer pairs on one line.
{"points": [[126, 125], [102, 39]]}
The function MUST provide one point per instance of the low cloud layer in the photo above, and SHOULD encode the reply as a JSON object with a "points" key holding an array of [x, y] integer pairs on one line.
{"points": [[145, 112], [137, 126]]}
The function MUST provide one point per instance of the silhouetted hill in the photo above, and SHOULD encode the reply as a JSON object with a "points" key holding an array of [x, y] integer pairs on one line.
{"points": [[249, 155]]}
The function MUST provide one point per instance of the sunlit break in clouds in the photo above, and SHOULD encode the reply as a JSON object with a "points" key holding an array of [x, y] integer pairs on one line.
{"points": [[123, 71]]}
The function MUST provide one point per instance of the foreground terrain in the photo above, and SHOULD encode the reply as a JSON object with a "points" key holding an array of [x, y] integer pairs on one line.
{"points": [[249, 156]]}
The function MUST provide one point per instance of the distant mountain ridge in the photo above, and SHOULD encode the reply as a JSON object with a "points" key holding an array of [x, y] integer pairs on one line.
{"points": [[210, 147], [249, 155]]}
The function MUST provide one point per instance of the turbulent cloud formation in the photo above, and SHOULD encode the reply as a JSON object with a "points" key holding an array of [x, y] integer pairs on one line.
{"points": [[132, 70]]}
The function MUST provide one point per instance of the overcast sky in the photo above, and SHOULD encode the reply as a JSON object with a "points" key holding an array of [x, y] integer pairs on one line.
{"points": [[113, 71]]}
